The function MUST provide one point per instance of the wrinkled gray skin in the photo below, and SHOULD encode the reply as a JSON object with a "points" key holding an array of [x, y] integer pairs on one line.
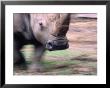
{"points": [[44, 31]]}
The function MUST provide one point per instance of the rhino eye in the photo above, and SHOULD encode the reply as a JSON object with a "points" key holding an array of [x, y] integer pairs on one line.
{"points": [[41, 26]]}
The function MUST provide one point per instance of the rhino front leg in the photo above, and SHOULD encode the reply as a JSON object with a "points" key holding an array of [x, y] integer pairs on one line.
{"points": [[36, 64]]}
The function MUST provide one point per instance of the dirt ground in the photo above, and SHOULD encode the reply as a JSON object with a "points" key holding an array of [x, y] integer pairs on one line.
{"points": [[80, 58]]}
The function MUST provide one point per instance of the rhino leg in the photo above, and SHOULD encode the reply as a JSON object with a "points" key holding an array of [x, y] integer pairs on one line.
{"points": [[36, 64], [19, 61]]}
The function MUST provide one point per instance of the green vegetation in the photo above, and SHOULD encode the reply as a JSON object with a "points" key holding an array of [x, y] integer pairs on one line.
{"points": [[63, 53], [63, 63]]}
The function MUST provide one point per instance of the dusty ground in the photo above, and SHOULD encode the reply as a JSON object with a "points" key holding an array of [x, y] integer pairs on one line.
{"points": [[79, 59]]}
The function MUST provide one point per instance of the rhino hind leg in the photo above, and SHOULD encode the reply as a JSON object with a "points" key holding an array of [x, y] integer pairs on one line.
{"points": [[19, 60]]}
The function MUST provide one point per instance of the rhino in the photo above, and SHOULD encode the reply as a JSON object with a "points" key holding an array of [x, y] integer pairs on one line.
{"points": [[45, 31]]}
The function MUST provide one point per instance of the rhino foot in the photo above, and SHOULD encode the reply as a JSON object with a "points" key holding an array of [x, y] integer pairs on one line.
{"points": [[36, 68], [20, 67]]}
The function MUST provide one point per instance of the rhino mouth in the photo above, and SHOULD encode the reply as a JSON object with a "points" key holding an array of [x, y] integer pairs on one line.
{"points": [[57, 45]]}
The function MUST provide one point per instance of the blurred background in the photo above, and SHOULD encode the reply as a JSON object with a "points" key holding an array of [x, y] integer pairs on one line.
{"points": [[81, 56]]}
